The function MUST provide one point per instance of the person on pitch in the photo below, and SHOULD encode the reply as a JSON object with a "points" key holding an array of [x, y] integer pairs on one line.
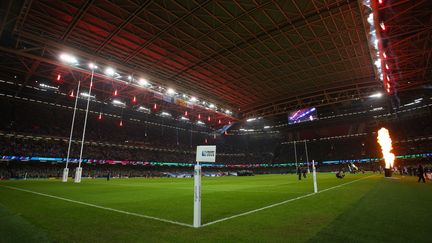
{"points": [[299, 173], [340, 174], [421, 174]]}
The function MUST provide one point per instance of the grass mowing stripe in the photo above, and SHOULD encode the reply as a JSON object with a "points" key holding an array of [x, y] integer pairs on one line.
{"points": [[281, 203], [100, 207]]}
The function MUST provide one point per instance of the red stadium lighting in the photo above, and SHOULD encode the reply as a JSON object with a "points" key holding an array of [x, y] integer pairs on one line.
{"points": [[208, 118], [384, 55], [71, 94], [155, 106], [121, 123], [199, 116], [205, 140], [387, 66], [115, 93], [134, 100], [229, 122], [219, 122], [100, 116], [58, 77], [186, 113], [380, 2], [383, 27]]}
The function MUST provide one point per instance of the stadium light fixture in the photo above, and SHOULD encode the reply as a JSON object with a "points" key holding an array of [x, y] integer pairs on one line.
{"points": [[378, 108], [143, 82], [193, 99], [212, 106], [376, 95], [200, 122], [109, 71], [163, 113], [118, 102], [171, 91], [143, 109], [68, 58], [92, 66], [266, 127], [251, 119], [184, 118], [46, 86], [84, 94]]}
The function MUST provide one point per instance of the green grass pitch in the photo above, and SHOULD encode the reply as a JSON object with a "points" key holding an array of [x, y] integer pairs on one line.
{"points": [[370, 209]]}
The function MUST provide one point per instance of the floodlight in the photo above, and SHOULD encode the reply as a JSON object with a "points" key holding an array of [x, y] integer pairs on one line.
{"points": [[92, 66], [68, 58], [143, 82], [118, 102], [109, 71], [376, 95]]}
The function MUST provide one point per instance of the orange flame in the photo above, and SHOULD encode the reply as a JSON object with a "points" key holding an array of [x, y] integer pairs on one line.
{"points": [[386, 146]]}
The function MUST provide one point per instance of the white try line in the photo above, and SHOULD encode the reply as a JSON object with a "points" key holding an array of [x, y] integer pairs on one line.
{"points": [[100, 207], [280, 203]]}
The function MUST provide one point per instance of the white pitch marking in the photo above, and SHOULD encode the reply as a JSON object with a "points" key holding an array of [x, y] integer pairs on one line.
{"points": [[280, 203], [100, 207]]}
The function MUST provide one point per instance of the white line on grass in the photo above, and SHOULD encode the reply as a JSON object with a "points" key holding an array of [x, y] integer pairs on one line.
{"points": [[280, 203], [100, 207]]}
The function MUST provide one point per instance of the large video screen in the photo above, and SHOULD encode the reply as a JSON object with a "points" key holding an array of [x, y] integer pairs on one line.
{"points": [[302, 115]]}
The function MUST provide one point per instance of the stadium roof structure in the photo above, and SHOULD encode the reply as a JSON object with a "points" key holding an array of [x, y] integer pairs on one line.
{"points": [[255, 58]]}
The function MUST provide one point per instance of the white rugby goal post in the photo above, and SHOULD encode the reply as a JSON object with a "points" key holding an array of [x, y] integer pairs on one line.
{"points": [[205, 153]]}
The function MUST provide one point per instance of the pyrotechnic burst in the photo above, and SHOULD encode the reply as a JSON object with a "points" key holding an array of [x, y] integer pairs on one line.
{"points": [[386, 146]]}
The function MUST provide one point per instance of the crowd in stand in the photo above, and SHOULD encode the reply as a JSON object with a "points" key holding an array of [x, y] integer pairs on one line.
{"points": [[32, 169], [33, 130]]}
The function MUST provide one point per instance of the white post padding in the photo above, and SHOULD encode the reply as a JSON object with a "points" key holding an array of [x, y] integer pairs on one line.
{"points": [[65, 174], [197, 196], [78, 173], [314, 177]]}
